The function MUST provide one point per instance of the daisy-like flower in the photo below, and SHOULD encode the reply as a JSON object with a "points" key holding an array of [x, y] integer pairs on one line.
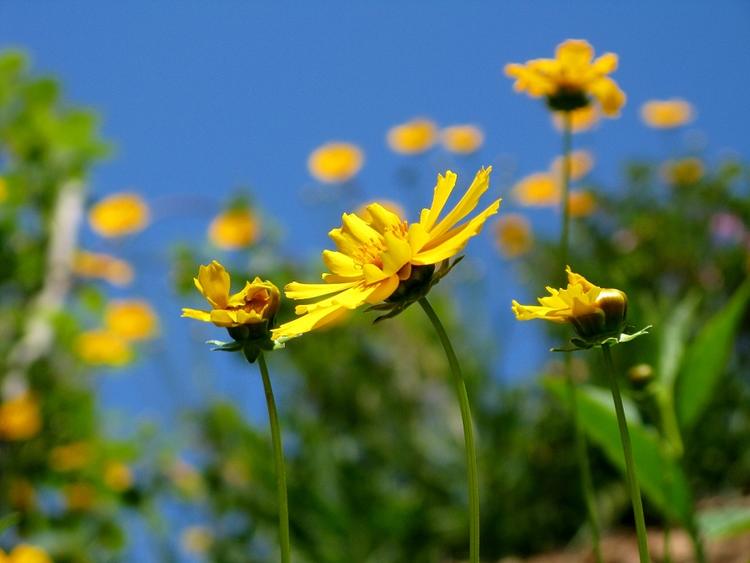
{"points": [[572, 80], [386, 258], [667, 114]]}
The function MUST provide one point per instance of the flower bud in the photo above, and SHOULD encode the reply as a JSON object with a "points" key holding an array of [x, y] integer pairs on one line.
{"points": [[640, 375], [606, 316]]}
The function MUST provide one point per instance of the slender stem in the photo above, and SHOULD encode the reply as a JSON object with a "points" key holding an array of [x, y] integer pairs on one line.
{"points": [[632, 480], [469, 445], [582, 455], [278, 454]]}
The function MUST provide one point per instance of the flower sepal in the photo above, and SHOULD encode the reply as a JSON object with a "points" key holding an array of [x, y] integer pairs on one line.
{"points": [[580, 343]]}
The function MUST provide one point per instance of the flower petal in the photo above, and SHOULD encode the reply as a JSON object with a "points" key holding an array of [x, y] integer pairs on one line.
{"points": [[213, 283], [442, 192], [204, 316], [296, 290], [466, 205]]}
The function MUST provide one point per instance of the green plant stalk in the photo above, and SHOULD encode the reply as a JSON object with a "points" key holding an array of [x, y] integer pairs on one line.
{"points": [[632, 480], [582, 456], [469, 444], [278, 454]]}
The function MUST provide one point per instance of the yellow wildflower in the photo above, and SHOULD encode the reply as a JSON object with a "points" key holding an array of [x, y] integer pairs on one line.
{"points": [[413, 137], [102, 266], [376, 258], [581, 163], [666, 114], [462, 139], [70, 457], [20, 418], [335, 162], [683, 172], [79, 497], [572, 79], [119, 214], [513, 235], [581, 119], [391, 206], [539, 189], [581, 203], [196, 540], [103, 348], [592, 310], [118, 476], [25, 553], [256, 303], [131, 319], [234, 229]]}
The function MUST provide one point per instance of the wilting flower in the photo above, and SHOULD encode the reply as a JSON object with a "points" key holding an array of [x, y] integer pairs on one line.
{"points": [[70, 457], [119, 214], [513, 235], [593, 311], [572, 80], [102, 266], [131, 319], [335, 162], [103, 348], [391, 206], [538, 189], [413, 137], [20, 418], [581, 119], [25, 553], [666, 114], [387, 258], [118, 476], [581, 163], [683, 172], [462, 139], [581, 203], [234, 229]]}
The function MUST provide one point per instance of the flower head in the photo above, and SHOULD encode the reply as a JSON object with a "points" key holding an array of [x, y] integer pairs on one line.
{"points": [[513, 235], [233, 229], [572, 80], [119, 214], [413, 137], [581, 203], [581, 163], [118, 476], [103, 348], [666, 114], [683, 172], [25, 553], [20, 418], [93, 265], [335, 162], [462, 139], [538, 189], [386, 258], [131, 319]]}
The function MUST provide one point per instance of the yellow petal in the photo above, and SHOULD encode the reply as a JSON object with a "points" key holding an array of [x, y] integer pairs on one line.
{"points": [[466, 205], [608, 93], [223, 317], [296, 290], [358, 228], [442, 192], [382, 219], [341, 264], [308, 322], [605, 64], [213, 283], [384, 290], [574, 53], [397, 253]]}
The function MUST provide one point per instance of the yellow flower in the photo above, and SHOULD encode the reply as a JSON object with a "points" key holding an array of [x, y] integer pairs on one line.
{"points": [[335, 162], [592, 310], [683, 172], [376, 258], [234, 229], [20, 418], [25, 553], [118, 476], [102, 266], [462, 139], [256, 303], [572, 79], [103, 348], [581, 163], [539, 189], [391, 206], [3, 189], [513, 235], [70, 457], [666, 114], [196, 540], [79, 497], [413, 137], [581, 203], [131, 319], [119, 214], [581, 119]]}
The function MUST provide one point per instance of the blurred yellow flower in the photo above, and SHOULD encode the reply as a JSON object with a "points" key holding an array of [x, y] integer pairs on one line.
{"points": [[391, 206], [3, 189], [572, 79], [118, 476], [25, 553], [234, 229], [592, 310], [375, 257], [186, 478], [581, 119], [258, 301], [581, 163], [21, 495], [413, 137], [102, 266], [667, 114], [683, 172], [119, 214], [539, 189], [70, 457], [79, 497], [196, 540], [335, 162], [513, 235], [131, 319], [462, 139], [20, 418], [103, 348], [581, 203]]}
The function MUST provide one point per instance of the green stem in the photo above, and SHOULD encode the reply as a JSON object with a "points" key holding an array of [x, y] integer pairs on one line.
{"points": [[632, 480], [278, 454], [469, 445], [582, 456]]}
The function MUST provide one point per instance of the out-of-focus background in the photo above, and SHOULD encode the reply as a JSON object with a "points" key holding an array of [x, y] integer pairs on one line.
{"points": [[122, 437]]}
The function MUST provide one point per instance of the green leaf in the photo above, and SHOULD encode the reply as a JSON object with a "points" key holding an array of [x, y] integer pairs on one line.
{"points": [[706, 357], [724, 522], [675, 329], [660, 478]]}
